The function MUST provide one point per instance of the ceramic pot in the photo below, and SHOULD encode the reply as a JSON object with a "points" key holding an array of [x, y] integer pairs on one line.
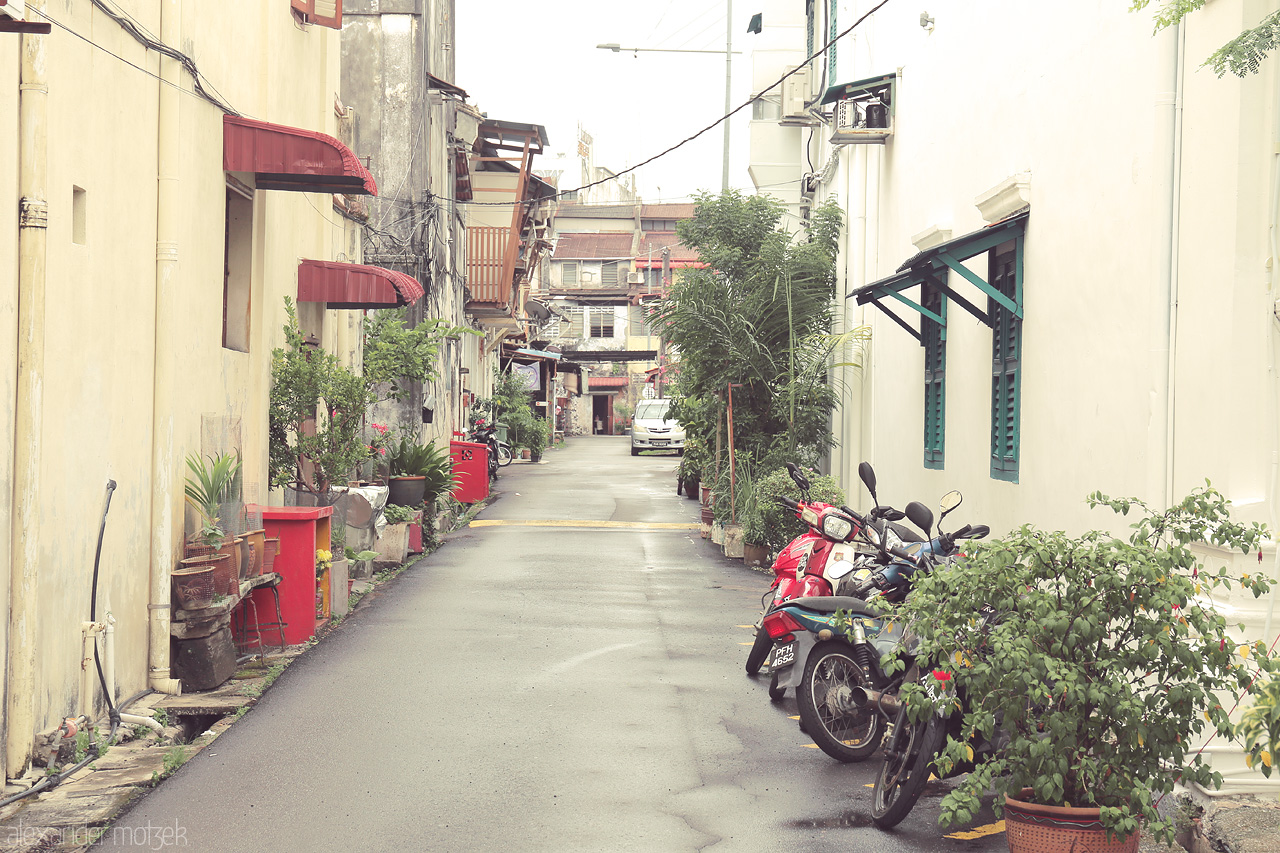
{"points": [[754, 555], [227, 580], [1033, 828], [406, 491], [271, 549], [258, 543], [193, 585]]}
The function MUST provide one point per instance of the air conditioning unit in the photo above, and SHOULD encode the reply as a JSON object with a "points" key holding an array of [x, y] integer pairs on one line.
{"points": [[861, 120], [635, 278], [795, 93]]}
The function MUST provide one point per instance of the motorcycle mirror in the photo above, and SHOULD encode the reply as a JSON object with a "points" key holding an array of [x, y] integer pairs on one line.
{"points": [[801, 481], [868, 476], [979, 532], [921, 516], [949, 502]]}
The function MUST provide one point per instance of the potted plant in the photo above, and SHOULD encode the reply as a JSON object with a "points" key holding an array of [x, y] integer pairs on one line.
{"points": [[315, 416], [535, 435], [1103, 662], [324, 559], [211, 482], [407, 485]]}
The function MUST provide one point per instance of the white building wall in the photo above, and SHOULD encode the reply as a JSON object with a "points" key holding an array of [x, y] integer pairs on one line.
{"points": [[1074, 96]]}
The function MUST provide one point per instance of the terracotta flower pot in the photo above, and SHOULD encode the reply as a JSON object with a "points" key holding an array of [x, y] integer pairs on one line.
{"points": [[754, 555], [194, 585], [258, 543], [1033, 828]]}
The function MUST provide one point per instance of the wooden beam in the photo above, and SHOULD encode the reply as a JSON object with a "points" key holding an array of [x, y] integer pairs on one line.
{"points": [[8, 25]]}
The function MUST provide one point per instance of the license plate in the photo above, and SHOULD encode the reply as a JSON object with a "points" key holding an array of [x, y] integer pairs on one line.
{"points": [[658, 442], [784, 655]]}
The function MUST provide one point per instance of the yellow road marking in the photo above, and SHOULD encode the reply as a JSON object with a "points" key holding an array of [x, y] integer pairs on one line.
{"points": [[795, 718], [978, 832], [746, 626], [564, 522], [746, 644]]}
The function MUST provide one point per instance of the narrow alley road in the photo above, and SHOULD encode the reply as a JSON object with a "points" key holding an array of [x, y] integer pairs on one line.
{"points": [[565, 675]]}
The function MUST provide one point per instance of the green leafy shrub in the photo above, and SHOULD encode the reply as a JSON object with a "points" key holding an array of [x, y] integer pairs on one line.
{"points": [[396, 514], [1106, 659], [779, 525]]}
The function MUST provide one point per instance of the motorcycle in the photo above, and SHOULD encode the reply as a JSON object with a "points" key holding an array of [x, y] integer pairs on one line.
{"points": [[820, 561], [499, 451], [913, 744], [841, 639]]}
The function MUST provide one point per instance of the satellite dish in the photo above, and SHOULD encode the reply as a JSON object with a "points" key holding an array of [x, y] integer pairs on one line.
{"points": [[537, 310]]}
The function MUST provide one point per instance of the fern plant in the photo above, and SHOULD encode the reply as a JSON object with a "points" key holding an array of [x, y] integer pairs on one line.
{"points": [[210, 484]]}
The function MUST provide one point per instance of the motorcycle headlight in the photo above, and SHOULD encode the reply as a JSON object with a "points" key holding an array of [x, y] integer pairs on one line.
{"points": [[836, 527], [839, 569]]}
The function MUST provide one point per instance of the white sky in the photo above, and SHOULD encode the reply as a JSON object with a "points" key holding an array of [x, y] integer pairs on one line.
{"points": [[537, 62]]}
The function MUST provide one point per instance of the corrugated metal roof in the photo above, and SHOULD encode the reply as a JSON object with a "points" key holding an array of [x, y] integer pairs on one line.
{"points": [[602, 245], [656, 241], [667, 211]]}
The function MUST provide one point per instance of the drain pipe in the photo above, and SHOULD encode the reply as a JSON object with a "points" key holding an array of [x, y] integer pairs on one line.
{"points": [[1168, 167], [165, 498], [24, 555]]}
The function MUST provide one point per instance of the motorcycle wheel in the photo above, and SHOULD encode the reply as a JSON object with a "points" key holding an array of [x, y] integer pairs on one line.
{"points": [[759, 651], [901, 780], [504, 455], [841, 730], [777, 692]]}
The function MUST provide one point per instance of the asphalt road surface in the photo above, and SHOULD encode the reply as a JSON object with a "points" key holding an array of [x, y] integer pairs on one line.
{"points": [[565, 675]]}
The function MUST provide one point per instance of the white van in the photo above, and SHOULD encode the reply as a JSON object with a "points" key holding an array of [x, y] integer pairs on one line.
{"points": [[650, 429]]}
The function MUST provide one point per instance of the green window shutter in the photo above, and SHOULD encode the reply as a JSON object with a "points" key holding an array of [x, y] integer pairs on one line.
{"points": [[1006, 354], [831, 34], [810, 26], [935, 388]]}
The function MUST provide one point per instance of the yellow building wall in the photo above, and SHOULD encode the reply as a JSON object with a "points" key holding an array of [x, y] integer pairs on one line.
{"points": [[99, 384]]}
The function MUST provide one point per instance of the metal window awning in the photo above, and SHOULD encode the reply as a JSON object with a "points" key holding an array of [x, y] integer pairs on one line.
{"points": [[355, 285], [930, 268], [878, 86], [290, 158]]}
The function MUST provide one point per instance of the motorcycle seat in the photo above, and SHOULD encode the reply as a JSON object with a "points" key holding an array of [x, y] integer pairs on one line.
{"points": [[832, 603]]}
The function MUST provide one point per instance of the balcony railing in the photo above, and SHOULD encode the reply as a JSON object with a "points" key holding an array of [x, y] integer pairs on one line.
{"points": [[487, 274]]}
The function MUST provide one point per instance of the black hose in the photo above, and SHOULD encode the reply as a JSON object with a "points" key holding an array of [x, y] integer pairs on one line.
{"points": [[112, 714]]}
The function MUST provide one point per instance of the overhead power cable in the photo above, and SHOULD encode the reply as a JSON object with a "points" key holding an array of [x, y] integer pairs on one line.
{"points": [[819, 52]]}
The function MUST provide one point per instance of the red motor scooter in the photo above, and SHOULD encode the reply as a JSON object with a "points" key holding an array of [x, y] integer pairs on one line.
{"points": [[814, 563]]}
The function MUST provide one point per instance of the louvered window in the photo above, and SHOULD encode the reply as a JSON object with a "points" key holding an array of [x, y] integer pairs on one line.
{"points": [[569, 273], [602, 323], [832, 32], [1006, 354], [575, 323], [934, 337], [324, 13], [609, 274]]}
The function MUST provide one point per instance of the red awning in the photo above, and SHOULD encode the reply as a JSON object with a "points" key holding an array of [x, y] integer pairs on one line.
{"points": [[355, 285], [289, 158], [608, 382]]}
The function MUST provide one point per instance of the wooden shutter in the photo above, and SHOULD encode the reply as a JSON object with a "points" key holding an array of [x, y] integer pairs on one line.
{"points": [[1006, 352], [305, 8], [935, 389], [327, 13]]}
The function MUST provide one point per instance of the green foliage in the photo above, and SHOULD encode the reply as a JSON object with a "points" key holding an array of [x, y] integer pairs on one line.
{"points": [[1105, 658], [309, 385], [1259, 728], [396, 514], [778, 524], [535, 434], [758, 317], [1242, 55], [210, 484], [428, 461], [395, 355]]}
